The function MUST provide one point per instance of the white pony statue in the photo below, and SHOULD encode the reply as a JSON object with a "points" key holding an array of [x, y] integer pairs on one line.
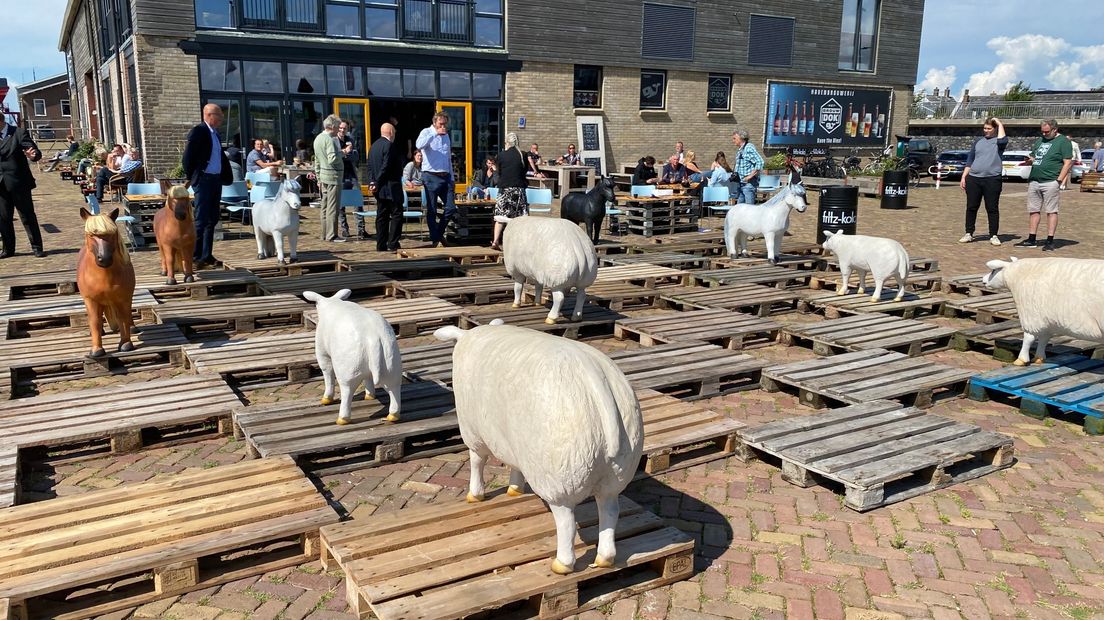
{"points": [[277, 217], [770, 220]]}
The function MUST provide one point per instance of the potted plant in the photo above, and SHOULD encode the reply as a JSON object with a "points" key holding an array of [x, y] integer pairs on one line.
{"points": [[175, 176], [775, 164]]}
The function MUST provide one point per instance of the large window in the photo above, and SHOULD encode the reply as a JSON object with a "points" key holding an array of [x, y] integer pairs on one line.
{"points": [[220, 75], [66, 109], [418, 83], [858, 35], [306, 79], [381, 19], [300, 15], [214, 14], [263, 77], [488, 23], [653, 87], [588, 87], [667, 32], [40, 107], [343, 19], [384, 82], [344, 81]]}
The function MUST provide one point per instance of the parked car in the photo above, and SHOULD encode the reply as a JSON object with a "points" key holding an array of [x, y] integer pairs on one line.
{"points": [[44, 132], [920, 154], [953, 163], [1014, 165], [1080, 164]]}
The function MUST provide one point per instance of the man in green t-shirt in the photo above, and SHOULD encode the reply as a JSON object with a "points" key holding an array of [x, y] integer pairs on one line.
{"points": [[1051, 158]]}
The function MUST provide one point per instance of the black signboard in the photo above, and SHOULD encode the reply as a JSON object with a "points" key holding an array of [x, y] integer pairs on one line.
{"points": [[594, 161], [718, 92], [652, 87], [590, 137], [801, 114]]}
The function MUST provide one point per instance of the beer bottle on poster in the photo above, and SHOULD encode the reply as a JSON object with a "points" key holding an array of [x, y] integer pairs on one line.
{"points": [[803, 120], [847, 123], [794, 120], [866, 125], [854, 123], [777, 119], [786, 120], [863, 118], [810, 121], [877, 129]]}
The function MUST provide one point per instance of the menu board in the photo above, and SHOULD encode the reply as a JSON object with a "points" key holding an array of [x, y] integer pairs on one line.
{"points": [[592, 142]]}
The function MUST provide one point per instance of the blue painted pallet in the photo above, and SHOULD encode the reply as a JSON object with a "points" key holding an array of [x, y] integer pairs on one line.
{"points": [[1072, 383]]}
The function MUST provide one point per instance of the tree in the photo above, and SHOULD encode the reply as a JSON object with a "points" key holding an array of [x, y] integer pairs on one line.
{"points": [[1019, 92]]}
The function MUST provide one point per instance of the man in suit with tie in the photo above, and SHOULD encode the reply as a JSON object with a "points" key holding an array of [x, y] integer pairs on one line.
{"points": [[17, 149], [207, 169], [385, 168]]}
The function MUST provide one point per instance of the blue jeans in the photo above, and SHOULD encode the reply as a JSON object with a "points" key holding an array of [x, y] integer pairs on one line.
{"points": [[747, 191], [208, 193], [476, 193], [696, 177], [438, 188]]}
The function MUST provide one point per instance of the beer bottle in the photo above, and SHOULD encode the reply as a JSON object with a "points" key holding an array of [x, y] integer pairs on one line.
{"points": [[777, 119], [847, 129], [786, 120]]}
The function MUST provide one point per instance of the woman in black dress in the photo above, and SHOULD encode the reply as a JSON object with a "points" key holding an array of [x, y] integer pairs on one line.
{"points": [[511, 201]]}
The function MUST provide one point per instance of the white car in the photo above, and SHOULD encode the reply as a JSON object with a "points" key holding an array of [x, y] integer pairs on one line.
{"points": [[1014, 165]]}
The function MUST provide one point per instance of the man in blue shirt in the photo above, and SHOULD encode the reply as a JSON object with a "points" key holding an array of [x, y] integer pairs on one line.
{"points": [[207, 169], [746, 171], [258, 159], [436, 150]]}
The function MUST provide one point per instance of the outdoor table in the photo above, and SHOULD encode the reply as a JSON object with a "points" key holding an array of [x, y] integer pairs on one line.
{"points": [[565, 173], [474, 222], [659, 215]]}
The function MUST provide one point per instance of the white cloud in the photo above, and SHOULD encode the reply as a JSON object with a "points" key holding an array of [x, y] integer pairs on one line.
{"points": [[1028, 48], [999, 80], [938, 79], [1067, 76]]}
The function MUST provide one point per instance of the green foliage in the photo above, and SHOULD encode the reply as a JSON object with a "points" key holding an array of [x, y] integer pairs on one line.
{"points": [[85, 151], [775, 162], [177, 172], [1019, 92]]}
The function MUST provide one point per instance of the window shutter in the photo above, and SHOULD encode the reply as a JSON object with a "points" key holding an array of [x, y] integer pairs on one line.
{"points": [[770, 41], [667, 32]]}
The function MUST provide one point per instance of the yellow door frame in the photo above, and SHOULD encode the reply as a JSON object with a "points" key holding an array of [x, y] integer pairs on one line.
{"points": [[337, 103], [468, 131]]}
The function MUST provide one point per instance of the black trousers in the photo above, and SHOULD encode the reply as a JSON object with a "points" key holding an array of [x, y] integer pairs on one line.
{"points": [[389, 221], [21, 202], [978, 188]]}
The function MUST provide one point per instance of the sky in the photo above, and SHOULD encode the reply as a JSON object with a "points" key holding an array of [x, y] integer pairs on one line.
{"points": [[29, 44]]}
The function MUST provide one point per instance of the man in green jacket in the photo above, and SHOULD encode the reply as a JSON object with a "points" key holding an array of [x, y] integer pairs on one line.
{"points": [[329, 166], [1051, 158]]}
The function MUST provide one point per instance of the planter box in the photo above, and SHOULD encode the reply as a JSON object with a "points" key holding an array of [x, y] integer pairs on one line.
{"points": [[868, 186]]}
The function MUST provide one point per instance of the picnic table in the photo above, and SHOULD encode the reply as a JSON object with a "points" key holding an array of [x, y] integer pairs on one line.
{"points": [[565, 174]]}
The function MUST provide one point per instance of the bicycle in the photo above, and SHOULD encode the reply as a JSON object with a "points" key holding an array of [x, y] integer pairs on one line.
{"points": [[827, 168]]}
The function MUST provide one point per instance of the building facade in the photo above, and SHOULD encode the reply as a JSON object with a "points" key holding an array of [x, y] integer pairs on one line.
{"points": [[46, 107], [653, 71]]}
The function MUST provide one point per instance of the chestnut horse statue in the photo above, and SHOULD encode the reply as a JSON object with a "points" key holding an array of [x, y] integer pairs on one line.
{"points": [[174, 228], [105, 278]]}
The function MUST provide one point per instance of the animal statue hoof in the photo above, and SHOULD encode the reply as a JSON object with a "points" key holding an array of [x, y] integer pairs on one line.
{"points": [[369, 394], [97, 352], [126, 346], [560, 569], [601, 562], [841, 291], [189, 279], [550, 321], [473, 499], [392, 417], [1019, 362], [261, 256], [326, 400], [874, 298], [898, 298], [732, 256], [514, 491], [170, 281], [515, 305], [1039, 360], [342, 421]]}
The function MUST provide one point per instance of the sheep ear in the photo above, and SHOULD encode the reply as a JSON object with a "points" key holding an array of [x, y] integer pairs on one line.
{"points": [[312, 296], [450, 332], [996, 264], [342, 294], [497, 322], [1014, 259]]}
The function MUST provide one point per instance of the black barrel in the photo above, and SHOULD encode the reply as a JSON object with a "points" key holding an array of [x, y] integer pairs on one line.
{"points": [[895, 189], [838, 210]]}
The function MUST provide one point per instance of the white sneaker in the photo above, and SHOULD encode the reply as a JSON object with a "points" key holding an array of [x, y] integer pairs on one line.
{"points": [[967, 238], [994, 240]]}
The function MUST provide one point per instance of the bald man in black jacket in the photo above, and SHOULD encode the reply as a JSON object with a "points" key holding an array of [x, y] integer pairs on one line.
{"points": [[17, 149], [385, 168]]}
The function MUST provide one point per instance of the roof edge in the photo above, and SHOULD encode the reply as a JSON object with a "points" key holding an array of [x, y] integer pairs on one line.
{"points": [[68, 17], [53, 80]]}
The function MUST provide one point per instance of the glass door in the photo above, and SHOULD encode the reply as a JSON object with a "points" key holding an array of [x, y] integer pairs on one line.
{"points": [[460, 134], [355, 113]]}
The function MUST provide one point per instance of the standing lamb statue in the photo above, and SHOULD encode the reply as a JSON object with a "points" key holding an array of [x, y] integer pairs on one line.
{"points": [[1054, 297], [553, 253], [355, 345], [881, 257], [573, 431], [277, 217], [770, 220]]}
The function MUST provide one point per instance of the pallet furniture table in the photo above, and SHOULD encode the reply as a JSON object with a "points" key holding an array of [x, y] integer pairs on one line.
{"points": [[834, 306], [758, 248], [26, 316], [478, 290], [158, 539], [280, 358], [143, 207], [678, 434], [408, 268], [1005, 338], [710, 236], [678, 260], [690, 370], [879, 451], [408, 317], [731, 330], [862, 376], [567, 173], [236, 314], [608, 248], [596, 320], [306, 262], [460, 255], [1092, 182], [643, 274], [751, 298], [970, 285], [658, 215], [473, 222], [429, 362], [1069, 383], [64, 355], [361, 283], [208, 284], [986, 309], [452, 560], [869, 331], [482, 269], [779, 277], [44, 283], [9, 477]]}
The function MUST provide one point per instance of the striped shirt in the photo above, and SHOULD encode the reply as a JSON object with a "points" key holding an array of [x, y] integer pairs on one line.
{"points": [[748, 160], [130, 165]]}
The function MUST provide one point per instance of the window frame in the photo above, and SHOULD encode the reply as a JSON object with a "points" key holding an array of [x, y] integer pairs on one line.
{"points": [[663, 97], [35, 103], [575, 91], [855, 53], [476, 15], [66, 104], [728, 91]]}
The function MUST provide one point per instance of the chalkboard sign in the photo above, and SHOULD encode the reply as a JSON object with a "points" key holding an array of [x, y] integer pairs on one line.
{"points": [[590, 137], [596, 162]]}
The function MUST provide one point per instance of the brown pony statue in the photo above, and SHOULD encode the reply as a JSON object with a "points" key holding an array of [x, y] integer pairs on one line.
{"points": [[176, 235], [105, 278]]}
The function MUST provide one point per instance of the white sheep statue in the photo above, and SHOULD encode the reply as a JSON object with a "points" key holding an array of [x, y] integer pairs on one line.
{"points": [[355, 345], [1054, 297], [770, 220], [574, 431], [880, 256], [552, 253], [275, 218]]}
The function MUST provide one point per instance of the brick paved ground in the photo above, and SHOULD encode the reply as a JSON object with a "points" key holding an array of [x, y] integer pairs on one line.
{"points": [[1027, 542]]}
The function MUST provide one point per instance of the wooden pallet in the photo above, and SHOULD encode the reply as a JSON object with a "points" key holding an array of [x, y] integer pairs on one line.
{"points": [[1005, 338], [690, 370], [659, 216], [869, 331], [780, 277], [643, 274], [306, 430], [834, 306], [1069, 383], [408, 268], [408, 317], [879, 451], [613, 295], [259, 360], [237, 314], [307, 262], [361, 283], [596, 320], [44, 283], [803, 262], [26, 316], [710, 236], [463, 255], [678, 260], [916, 280], [731, 330], [750, 298], [985, 310], [863, 376], [9, 478], [685, 246], [484, 269], [430, 362], [478, 290], [64, 355], [758, 247], [678, 434], [94, 553], [969, 285], [207, 284], [457, 559], [606, 247], [1092, 182]]}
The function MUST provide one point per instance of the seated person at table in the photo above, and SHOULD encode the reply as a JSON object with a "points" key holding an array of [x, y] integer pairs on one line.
{"points": [[302, 151], [673, 172], [645, 173], [259, 158], [533, 162], [486, 177], [719, 171], [693, 172], [128, 163], [570, 158], [233, 154], [412, 173]]}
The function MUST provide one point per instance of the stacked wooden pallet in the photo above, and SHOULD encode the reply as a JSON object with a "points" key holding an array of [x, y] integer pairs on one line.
{"points": [[408, 268], [780, 277], [476, 290], [643, 274], [916, 280], [460, 255], [986, 309], [678, 260], [595, 321], [690, 370], [1069, 383], [38, 313], [834, 306], [1004, 340], [429, 362], [237, 314], [361, 283], [970, 285], [613, 295], [408, 317], [726, 328], [678, 434], [659, 215], [305, 262], [207, 284], [869, 331], [44, 283]]}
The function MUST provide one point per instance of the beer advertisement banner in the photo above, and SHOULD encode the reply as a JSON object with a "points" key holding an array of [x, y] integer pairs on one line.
{"points": [[807, 115]]}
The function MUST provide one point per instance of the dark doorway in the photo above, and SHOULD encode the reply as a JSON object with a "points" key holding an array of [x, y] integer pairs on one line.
{"points": [[412, 117]]}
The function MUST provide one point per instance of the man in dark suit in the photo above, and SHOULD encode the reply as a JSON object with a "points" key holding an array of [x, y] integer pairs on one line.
{"points": [[207, 169], [16, 183], [385, 168]]}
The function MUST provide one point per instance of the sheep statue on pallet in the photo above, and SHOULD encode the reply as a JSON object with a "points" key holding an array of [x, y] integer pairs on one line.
{"points": [[575, 430], [553, 253], [769, 220], [353, 345], [1054, 297], [881, 257]]}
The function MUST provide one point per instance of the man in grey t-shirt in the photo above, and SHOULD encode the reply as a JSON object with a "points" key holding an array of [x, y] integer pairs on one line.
{"points": [[982, 179]]}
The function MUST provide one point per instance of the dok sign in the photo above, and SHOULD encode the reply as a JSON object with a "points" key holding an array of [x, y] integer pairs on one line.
{"points": [[806, 115]]}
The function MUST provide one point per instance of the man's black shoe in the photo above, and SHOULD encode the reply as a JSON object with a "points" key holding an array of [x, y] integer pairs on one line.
{"points": [[1048, 247], [1027, 243]]}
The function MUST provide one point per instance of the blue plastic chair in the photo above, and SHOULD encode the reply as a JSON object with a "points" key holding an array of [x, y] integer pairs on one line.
{"points": [[143, 188], [716, 199], [492, 193], [642, 191], [259, 176], [235, 193], [539, 197]]}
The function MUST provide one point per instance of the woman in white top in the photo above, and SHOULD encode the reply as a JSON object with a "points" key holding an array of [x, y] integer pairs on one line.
{"points": [[412, 173]]}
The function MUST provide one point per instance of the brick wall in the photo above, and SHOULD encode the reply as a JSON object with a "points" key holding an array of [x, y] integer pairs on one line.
{"points": [[168, 99]]}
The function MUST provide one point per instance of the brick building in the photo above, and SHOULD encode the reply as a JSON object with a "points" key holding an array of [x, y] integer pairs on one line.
{"points": [[653, 71], [46, 106]]}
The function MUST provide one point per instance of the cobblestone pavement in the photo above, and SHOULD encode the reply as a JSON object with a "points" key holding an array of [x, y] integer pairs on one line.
{"points": [[1027, 542]]}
